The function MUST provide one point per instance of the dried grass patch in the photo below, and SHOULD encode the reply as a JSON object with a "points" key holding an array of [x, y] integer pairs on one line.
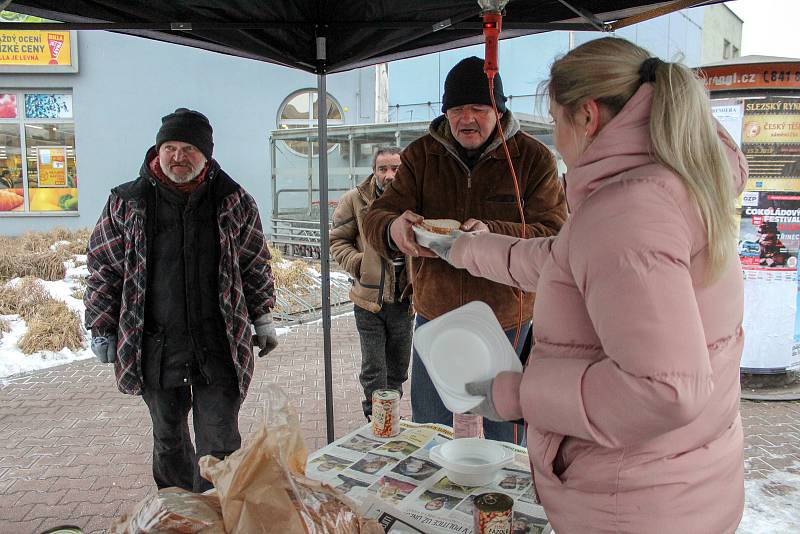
{"points": [[23, 299], [45, 265], [291, 275], [277, 255], [53, 327], [5, 326], [41, 254]]}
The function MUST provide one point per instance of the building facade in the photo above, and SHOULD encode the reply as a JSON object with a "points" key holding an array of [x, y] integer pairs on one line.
{"points": [[693, 36], [71, 132]]}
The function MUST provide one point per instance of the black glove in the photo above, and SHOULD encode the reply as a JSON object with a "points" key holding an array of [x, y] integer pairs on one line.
{"points": [[105, 348]]}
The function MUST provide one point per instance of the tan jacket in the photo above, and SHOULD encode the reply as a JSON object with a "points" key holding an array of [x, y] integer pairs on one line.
{"points": [[373, 276], [435, 183]]}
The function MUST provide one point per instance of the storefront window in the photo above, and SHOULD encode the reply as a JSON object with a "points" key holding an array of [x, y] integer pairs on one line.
{"points": [[11, 192], [45, 179], [299, 110]]}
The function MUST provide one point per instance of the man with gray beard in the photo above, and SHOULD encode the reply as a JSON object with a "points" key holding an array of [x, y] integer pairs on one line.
{"points": [[178, 271]]}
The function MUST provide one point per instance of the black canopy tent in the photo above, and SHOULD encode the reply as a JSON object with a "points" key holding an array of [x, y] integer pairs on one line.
{"points": [[324, 37]]}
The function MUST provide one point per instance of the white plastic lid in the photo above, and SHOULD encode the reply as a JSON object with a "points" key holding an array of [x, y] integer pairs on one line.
{"points": [[464, 345]]}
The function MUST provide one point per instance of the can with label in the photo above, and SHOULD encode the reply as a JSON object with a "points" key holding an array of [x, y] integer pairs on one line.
{"points": [[492, 513], [467, 425], [386, 413]]}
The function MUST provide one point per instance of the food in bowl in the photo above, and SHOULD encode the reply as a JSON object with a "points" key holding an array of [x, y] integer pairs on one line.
{"points": [[441, 226]]}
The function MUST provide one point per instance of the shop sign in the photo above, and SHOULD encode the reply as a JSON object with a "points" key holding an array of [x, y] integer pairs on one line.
{"points": [[752, 76], [26, 47]]}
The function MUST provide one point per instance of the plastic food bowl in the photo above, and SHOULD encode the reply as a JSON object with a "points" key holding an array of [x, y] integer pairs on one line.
{"points": [[471, 461], [461, 346], [426, 238]]}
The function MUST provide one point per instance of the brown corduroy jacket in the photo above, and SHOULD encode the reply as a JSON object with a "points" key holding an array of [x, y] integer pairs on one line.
{"points": [[373, 276], [434, 182]]}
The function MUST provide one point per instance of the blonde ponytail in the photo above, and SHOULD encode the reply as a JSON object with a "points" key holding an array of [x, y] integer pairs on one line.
{"points": [[685, 139], [682, 129]]}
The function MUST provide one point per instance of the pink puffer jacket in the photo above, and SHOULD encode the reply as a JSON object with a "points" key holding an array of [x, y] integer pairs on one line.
{"points": [[632, 390]]}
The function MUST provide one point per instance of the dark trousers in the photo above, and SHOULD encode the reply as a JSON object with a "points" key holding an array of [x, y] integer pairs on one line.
{"points": [[385, 348], [427, 406], [216, 429]]}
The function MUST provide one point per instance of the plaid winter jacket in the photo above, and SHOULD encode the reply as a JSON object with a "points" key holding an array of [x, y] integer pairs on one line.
{"points": [[117, 262]]}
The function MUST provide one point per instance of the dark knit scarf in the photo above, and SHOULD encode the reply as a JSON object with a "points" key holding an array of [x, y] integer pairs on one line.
{"points": [[188, 187]]}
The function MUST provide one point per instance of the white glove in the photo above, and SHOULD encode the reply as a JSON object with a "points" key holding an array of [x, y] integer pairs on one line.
{"points": [[442, 248], [266, 337], [486, 407], [105, 348]]}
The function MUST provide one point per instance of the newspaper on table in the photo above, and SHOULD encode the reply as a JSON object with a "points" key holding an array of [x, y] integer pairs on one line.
{"points": [[395, 481]]}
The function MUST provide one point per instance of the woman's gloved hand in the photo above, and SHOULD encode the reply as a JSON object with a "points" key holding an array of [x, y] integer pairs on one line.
{"points": [[266, 337], [486, 407], [105, 348], [442, 249]]}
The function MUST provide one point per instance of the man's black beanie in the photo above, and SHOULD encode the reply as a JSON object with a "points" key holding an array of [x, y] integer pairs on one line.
{"points": [[188, 126], [466, 83]]}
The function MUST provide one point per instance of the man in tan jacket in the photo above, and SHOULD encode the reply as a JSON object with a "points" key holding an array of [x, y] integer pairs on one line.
{"points": [[381, 304]]}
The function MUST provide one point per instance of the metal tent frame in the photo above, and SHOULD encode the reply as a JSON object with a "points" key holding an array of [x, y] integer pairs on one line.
{"points": [[325, 37]]}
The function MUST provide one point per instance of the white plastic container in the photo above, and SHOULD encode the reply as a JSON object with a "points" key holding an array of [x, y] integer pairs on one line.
{"points": [[471, 461], [426, 238], [464, 345]]}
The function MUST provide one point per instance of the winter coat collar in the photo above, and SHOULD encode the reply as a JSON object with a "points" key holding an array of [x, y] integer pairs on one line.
{"points": [[623, 144], [368, 189], [136, 190], [439, 129]]}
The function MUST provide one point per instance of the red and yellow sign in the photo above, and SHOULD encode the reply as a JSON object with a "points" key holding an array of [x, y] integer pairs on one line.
{"points": [[26, 47], [752, 76], [52, 166]]}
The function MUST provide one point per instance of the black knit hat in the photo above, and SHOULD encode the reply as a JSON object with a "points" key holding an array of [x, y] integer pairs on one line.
{"points": [[188, 126], [466, 83]]}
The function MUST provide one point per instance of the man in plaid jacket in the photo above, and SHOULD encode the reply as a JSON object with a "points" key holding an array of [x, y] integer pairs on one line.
{"points": [[178, 271]]}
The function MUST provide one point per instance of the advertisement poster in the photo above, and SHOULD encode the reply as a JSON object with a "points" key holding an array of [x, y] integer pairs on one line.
{"points": [[8, 106], [771, 142], [26, 47], [768, 249], [48, 106], [395, 481], [729, 113], [51, 165], [769, 237]]}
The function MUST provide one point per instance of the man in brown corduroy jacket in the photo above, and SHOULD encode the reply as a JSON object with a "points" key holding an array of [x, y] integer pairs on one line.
{"points": [[459, 171]]}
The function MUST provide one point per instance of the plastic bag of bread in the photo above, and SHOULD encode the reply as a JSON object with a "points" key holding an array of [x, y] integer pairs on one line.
{"points": [[262, 487], [173, 510]]}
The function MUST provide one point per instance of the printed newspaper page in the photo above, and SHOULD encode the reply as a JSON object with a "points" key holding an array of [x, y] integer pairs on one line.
{"points": [[398, 471]]}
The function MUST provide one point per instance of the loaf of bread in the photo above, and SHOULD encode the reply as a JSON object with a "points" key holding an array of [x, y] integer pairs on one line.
{"points": [[441, 226]]}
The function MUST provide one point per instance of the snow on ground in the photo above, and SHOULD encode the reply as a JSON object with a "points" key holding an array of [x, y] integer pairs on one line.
{"points": [[771, 504]]}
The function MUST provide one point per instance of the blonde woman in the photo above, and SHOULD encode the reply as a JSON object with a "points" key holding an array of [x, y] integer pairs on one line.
{"points": [[632, 390]]}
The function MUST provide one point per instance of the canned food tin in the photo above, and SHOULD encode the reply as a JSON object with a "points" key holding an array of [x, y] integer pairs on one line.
{"points": [[64, 529], [386, 413], [492, 513]]}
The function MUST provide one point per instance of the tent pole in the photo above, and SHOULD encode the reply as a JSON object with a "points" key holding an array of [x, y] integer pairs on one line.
{"points": [[325, 248]]}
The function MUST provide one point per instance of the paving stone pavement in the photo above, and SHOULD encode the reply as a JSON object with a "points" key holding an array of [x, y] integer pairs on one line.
{"points": [[73, 450]]}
